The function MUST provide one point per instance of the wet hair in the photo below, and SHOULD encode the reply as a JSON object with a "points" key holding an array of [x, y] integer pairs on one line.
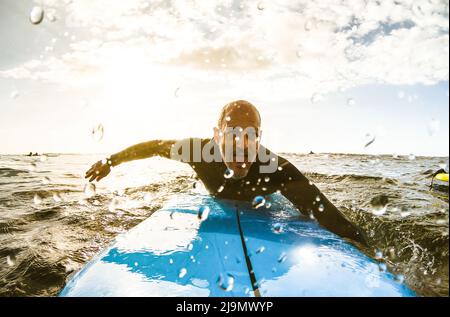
{"points": [[240, 104]]}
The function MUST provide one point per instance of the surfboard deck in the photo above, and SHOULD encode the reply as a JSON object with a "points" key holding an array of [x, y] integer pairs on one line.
{"points": [[442, 177], [235, 251]]}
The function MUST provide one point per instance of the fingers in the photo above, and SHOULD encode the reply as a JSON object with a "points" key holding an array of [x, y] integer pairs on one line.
{"points": [[91, 170], [97, 172]]}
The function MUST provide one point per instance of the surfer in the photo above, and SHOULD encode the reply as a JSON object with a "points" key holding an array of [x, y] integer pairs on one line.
{"points": [[246, 171]]}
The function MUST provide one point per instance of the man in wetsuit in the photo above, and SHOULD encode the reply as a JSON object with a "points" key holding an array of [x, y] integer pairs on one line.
{"points": [[234, 165]]}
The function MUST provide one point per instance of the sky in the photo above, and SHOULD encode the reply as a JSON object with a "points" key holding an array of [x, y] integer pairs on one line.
{"points": [[327, 76]]}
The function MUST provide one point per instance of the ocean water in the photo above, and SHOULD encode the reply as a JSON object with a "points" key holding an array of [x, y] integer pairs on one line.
{"points": [[51, 225]]}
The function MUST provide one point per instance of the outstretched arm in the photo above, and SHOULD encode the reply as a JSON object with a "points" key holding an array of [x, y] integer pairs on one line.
{"points": [[309, 199], [136, 152], [142, 151]]}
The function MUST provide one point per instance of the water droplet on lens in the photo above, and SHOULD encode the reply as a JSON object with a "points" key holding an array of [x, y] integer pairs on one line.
{"points": [[199, 187], [170, 261], [318, 198], [98, 132], [10, 260], [277, 228], [89, 190], [36, 15], [182, 273], [227, 118], [57, 197], [399, 278], [268, 205], [190, 247], [261, 6], [382, 266], [203, 213], [370, 138], [220, 189], [228, 173], [321, 208], [379, 204], [282, 257], [260, 250], [378, 255], [226, 281], [258, 201], [37, 199]]}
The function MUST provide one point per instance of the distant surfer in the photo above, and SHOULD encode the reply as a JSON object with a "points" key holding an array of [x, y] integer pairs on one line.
{"points": [[246, 171], [433, 177]]}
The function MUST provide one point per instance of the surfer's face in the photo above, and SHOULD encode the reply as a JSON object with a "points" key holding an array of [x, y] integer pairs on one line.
{"points": [[238, 139]]}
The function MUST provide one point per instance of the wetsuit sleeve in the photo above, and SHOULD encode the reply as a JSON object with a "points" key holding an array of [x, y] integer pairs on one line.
{"points": [[187, 150], [143, 150], [309, 199]]}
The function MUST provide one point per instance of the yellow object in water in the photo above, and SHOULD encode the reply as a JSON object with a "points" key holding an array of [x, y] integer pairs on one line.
{"points": [[442, 177]]}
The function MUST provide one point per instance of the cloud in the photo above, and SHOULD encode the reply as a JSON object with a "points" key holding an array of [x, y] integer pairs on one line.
{"points": [[302, 47]]}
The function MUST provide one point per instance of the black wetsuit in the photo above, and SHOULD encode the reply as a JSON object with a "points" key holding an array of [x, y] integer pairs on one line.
{"points": [[287, 179]]}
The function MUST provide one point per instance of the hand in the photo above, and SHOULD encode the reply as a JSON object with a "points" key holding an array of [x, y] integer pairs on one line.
{"points": [[98, 171]]}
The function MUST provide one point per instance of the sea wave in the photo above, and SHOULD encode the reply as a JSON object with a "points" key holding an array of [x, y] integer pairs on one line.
{"points": [[45, 240]]}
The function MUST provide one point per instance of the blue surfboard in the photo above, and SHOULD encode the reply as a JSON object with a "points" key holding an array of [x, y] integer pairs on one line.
{"points": [[231, 249]]}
